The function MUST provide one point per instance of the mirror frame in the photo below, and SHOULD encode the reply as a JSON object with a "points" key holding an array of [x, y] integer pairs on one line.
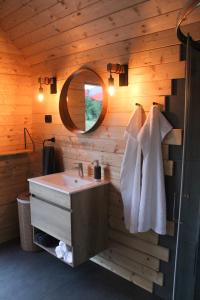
{"points": [[63, 109]]}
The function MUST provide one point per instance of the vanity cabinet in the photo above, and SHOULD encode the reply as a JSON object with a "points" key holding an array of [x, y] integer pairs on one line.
{"points": [[79, 219]]}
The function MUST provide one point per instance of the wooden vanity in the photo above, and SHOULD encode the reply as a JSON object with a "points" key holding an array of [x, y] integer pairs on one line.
{"points": [[78, 218]]}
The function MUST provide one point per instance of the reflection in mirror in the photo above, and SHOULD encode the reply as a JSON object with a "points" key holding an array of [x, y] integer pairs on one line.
{"points": [[93, 104], [82, 101]]}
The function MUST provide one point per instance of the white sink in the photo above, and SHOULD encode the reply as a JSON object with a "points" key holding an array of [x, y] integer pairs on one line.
{"points": [[66, 182]]}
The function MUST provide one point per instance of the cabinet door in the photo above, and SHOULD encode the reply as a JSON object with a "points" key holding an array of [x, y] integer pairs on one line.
{"points": [[51, 219], [53, 196]]}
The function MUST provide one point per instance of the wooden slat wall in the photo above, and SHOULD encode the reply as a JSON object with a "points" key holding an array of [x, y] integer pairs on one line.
{"points": [[128, 31], [134, 257], [57, 39], [15, 114]]}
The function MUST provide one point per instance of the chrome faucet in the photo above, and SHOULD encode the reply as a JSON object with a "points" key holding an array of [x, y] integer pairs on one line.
{"points": [[79, 166]]}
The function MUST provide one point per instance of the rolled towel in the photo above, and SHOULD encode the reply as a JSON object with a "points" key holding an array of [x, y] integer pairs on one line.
{"points": [[68, 257], [63, 247], [59, 252]]}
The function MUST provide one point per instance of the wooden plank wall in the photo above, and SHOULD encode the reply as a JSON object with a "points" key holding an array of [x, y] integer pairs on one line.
{"points": [[15, 114], [154, 60], [134, 257], [57, 39]]}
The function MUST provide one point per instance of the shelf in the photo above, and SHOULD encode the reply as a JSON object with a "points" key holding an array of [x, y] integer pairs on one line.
{"points": [[51, 250], [15, 152]]}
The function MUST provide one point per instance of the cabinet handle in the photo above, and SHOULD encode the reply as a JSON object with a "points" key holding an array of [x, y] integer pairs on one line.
{"points": [[52, 203]]}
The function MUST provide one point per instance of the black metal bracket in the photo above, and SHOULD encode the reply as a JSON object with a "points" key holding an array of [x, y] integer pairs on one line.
{"points": [[26, 132], [52, 81], [121, 70], [53, 140]]}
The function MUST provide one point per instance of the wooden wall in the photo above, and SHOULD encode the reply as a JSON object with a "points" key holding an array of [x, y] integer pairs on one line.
{"points": [[15, 114], [153, 54], [76, 99], [58, 38], [76, 105]]}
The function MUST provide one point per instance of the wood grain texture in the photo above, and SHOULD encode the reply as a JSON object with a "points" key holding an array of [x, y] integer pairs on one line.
{"points": [[135, 267], [61, 18], [124, 273], [15, 152], [53, 197], [51, 219], [83, 227], [141, 258], [174, 137], [89, 223], [135, 243], [15, 114], [58, 39]]}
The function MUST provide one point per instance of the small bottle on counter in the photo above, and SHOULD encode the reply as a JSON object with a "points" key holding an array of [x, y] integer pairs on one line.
{"points": [[97, 170]]}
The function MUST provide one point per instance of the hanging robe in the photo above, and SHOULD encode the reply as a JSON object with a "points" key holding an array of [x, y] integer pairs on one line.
{"points": [[130, 176], [152, 210]]}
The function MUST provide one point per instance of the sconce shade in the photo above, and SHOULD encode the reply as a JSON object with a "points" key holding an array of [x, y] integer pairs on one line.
{"points": [[122, 71], [47, 81], [40, 94], [111, 81], [111, 87]]}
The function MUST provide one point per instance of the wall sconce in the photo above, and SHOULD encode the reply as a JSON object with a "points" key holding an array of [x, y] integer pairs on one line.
{"points": [[122, 70], [48, 81]]}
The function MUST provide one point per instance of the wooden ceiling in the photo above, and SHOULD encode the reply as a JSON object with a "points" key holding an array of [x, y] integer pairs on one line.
{"points": [[53, 29]]}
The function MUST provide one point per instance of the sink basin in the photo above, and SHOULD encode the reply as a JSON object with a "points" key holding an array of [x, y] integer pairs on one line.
{"points": [[66, 182]]}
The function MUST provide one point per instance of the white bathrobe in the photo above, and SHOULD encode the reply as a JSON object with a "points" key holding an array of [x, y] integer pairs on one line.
{"points": [[152, 210], [130, 176]]}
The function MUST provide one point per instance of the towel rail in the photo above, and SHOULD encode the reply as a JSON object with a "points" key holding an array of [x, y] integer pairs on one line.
{"points": [[26, 132]]}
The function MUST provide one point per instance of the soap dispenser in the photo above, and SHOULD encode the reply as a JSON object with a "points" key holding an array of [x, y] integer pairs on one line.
{"points": [[97, 170]]}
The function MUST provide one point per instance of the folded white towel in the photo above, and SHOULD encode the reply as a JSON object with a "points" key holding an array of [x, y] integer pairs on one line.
{"points": [[68, 257], [59, 252], [63, 246], [63, 251]]}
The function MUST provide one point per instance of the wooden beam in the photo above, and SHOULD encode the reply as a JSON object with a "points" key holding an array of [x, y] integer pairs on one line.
{"points": [[133, 266], [174, 137], [154, 250], [124, 273]]}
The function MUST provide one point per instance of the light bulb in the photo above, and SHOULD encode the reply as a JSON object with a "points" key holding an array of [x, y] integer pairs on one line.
{"points": [[111, 87], [111, 90], [40, 95]]}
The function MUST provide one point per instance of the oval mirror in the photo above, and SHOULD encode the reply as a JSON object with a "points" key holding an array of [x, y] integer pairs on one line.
{"points": [[83, 101]]}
